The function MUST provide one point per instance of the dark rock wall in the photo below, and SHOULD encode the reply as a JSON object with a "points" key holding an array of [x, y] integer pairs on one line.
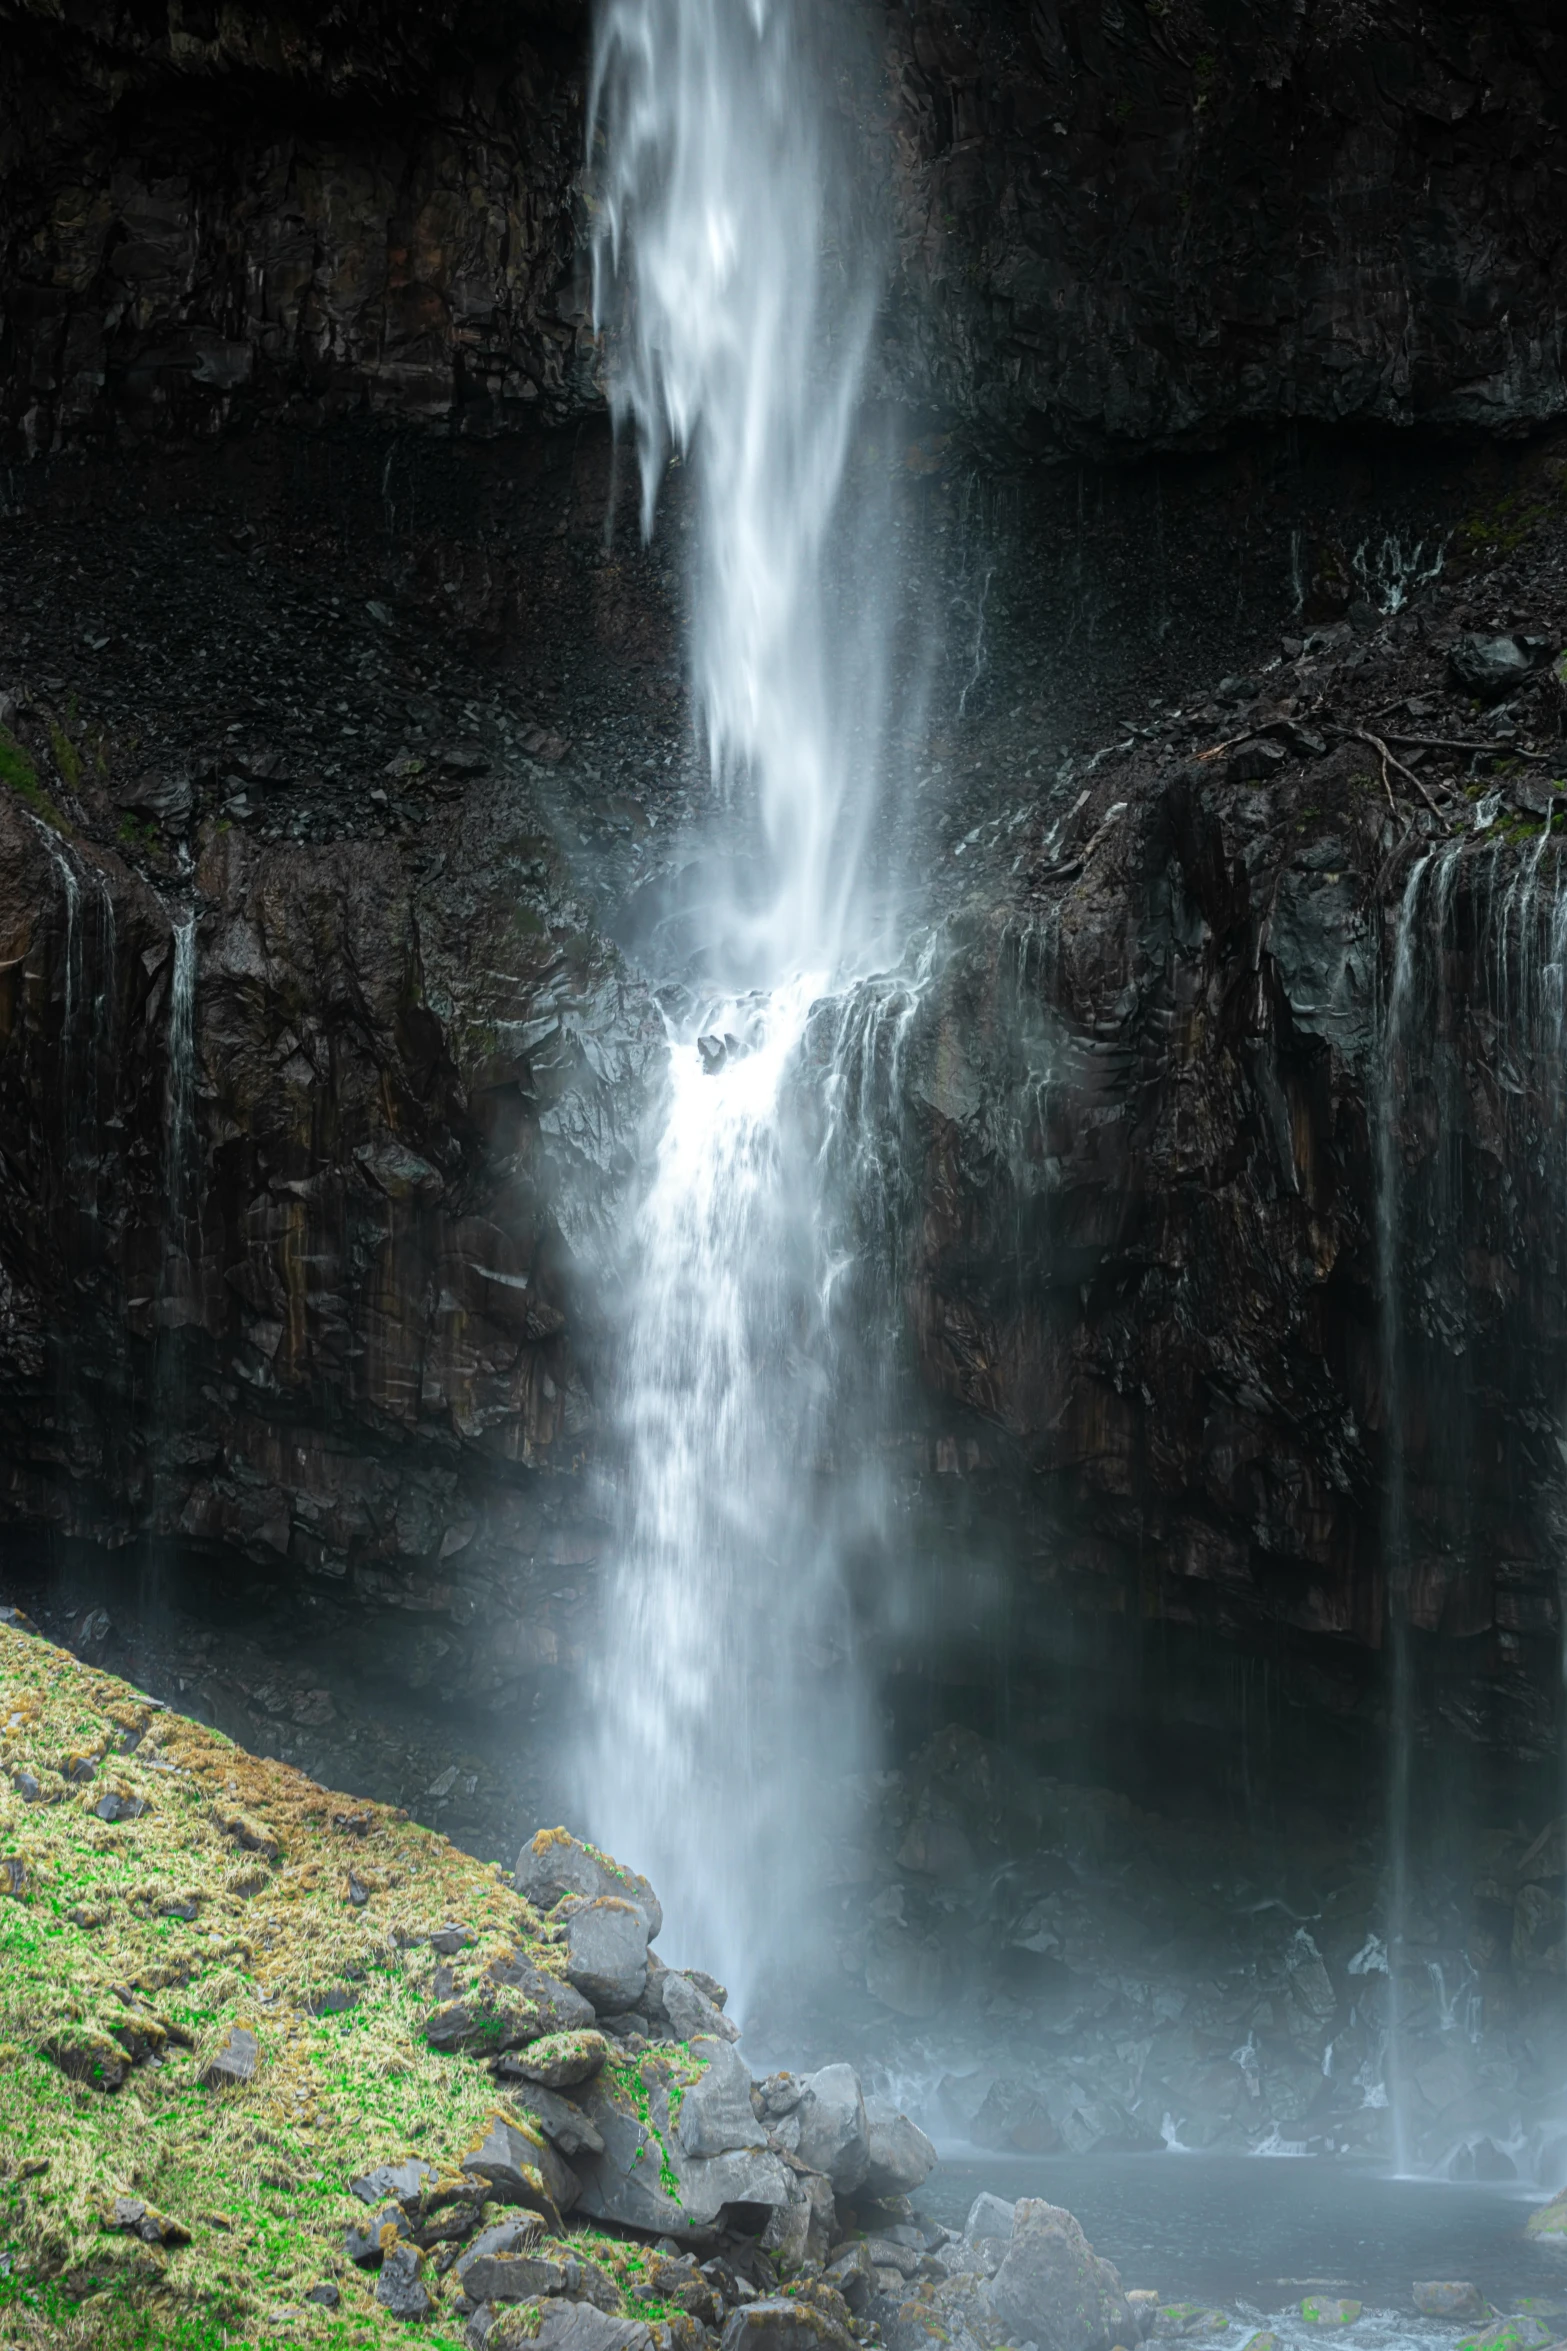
{"points": [[1113, 226], [212, 215], [1122, 225], [335, 1329]]}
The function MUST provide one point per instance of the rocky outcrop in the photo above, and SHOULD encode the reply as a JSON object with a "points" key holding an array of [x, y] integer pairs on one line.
{"points": [[1111, 228], [1240, 1203], [316, 1224]]}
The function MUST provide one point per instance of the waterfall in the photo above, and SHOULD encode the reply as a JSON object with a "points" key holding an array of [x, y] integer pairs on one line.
{"points": [[1391, 1093], [738, 298], [179, 1146]]}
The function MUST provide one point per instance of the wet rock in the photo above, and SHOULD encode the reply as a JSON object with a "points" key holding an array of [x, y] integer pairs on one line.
{"points": [[1449, 2298], [851, 2270], [1490, 668], [554, 1863], [899, 2156], [1053, 2290], [1327, 2311], [606, 1952], [829, 2130], [401, 2287], [236, 2064], [779, 2324], [687, 2009], [647, 2178]]}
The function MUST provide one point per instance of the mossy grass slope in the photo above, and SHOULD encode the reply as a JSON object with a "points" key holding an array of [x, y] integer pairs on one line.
{"points": [[231, 1893]]}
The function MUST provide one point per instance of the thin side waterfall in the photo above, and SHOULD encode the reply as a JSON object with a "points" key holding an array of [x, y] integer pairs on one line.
{"points": [[180, 1168], [1395, 1534], [737, 295]]}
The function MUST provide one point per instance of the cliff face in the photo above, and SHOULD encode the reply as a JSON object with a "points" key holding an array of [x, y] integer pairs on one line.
{"points": [[321, 1282], [1115, 226]]}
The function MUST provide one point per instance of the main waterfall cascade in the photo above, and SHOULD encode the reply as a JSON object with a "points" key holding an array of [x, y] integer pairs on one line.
{"points": [[738, 294]]}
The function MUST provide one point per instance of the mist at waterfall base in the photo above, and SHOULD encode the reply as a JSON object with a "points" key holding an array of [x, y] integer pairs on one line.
{"points": [[738, 287]]}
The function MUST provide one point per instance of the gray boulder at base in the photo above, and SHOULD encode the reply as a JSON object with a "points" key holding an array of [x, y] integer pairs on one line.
{"points": [[560, 2119], [689, 2010], [562, 2326], [1490, 667], [1452, 2298], [1053, 2290], [606, 1952], [555, 1863], [901, 2158], [780, 2325], [646, 2177], [829, 2130], [990, 2220], [716, 2116]]}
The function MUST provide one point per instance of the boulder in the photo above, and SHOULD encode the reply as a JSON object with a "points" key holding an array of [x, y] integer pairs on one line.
{"points": [[778, 2324], [560, 2119], [401, 2287], [560, 2060], [555, 1863], [506, 2237], [1053, 2290], [368, 2242], [519, 2166], [134, 2218], [801, 2232], [1453, 2298], [716, 2115], [406, 2181], [688, 2011], [647, 2177], [606, 1952], [1327, 2310], [901, 2158], [990, 2218], [1490, 668], [828, 2129], [853, 2273]]}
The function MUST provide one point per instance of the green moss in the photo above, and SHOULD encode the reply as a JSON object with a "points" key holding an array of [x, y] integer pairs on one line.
{"points": [[66, 757], [257, 2175], [17, 770]]}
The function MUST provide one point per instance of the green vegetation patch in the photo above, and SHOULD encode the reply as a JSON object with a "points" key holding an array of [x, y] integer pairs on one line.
{"points": [[18, 771], [174, 1901]]}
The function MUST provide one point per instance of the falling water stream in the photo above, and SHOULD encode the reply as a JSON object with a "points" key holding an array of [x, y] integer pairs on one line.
{"points": [[737, 305]]}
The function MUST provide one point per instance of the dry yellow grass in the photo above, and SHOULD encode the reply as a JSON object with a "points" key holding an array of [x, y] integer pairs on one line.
{"points": [[241, 1896]]}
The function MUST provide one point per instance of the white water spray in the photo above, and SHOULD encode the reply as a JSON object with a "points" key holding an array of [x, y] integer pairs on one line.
{"points": [[725, 1698]]}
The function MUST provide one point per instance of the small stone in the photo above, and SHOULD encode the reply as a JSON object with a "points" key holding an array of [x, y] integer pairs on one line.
{"points": [[13, 1876], [1449, 2298], [1321, 2312], [113, 1806], [236, 2063], [28, 1786], [326, 2294], [449, 1940], [79, 1769], [406, 2181], [1490, 668], [401, 2287], [134, 2218], [1254, 762]]}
